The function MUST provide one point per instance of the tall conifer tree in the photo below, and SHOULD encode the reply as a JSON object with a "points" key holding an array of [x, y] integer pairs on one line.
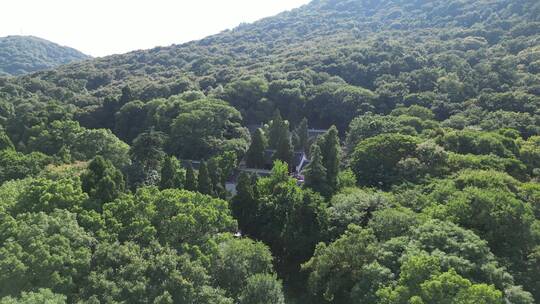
{"points": [[315, 173], [204, 180], [172, 174], [278, 129], [330, 150], [302, 133], [255, 153], [191, 180], [284, 152]]}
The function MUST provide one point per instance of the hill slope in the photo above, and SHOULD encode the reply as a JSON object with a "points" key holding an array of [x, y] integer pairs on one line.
{"points": [[392, 48], [25, 54]]}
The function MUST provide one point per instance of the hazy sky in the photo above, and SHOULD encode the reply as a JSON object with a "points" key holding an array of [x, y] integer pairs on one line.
{"points": [[104, 27]]}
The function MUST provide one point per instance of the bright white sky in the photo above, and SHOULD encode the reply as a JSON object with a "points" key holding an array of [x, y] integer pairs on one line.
{"points": [[105, 27]]}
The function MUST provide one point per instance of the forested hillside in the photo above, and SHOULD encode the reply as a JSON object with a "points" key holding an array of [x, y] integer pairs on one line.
{"points": [[26, 54], [349, 151]]}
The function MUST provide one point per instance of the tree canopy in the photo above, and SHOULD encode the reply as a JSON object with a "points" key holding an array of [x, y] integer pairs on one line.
{"points": [[404, 137]]}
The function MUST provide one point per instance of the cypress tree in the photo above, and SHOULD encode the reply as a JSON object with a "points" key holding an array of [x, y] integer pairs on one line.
{"points": [[172, 174], [147, 155], [284, 152], [127, 95], [244, 204], [278, 129], [111, 105], [147, 149], [295, 139], [191, 181], [102, 181], [279, 138], [315, 173], [204, 181], [216, 177], [302, 133], [255, 153], [330, 149]]}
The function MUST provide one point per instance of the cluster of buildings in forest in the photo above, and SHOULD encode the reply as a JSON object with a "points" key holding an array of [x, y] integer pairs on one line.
{"points": [[299, 161]]}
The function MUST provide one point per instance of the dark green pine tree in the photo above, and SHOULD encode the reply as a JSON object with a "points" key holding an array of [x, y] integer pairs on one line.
{"points": [[216, 177], [284, 152], [330, 149], [172, 174], [102, 181], [204, 180], [127, 95], [191, 180], [315, 172], [302, 133], [277, 130], [244, 203], [146, 154], [295, 139], [107, 120], [255, 153], [147, 149]]}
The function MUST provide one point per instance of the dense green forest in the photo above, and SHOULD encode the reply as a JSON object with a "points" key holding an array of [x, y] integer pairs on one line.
{"points": [[424, 188], [26, 54]]}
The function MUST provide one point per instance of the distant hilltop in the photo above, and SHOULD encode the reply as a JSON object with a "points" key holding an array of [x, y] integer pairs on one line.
{"points": [[26, 54]]}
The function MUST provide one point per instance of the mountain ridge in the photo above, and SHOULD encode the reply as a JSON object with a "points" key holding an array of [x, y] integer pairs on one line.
{"points": [[26, 54], [362, 43]]}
